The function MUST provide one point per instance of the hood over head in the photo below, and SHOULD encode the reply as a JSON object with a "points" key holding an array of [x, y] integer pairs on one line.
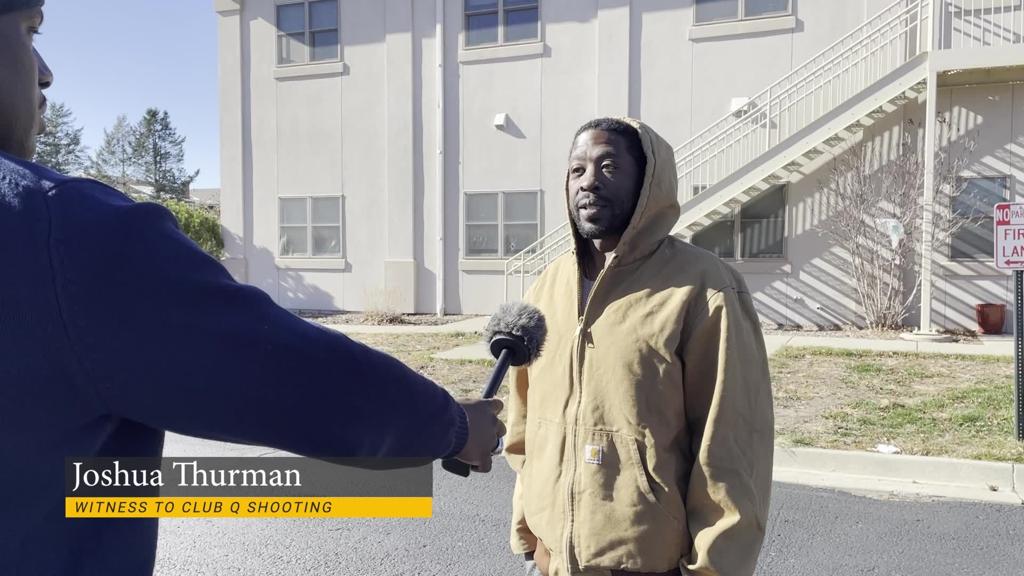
{"points": [[657, 208]]}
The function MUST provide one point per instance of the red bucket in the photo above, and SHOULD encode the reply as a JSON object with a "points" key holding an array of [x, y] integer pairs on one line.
{"points": [[990, 317]]}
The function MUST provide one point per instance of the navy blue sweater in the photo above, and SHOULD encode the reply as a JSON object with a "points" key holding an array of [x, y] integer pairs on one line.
{"points": [[114, 327]]}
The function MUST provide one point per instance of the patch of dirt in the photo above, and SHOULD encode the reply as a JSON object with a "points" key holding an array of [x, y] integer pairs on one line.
{"points": [[462, 378], [380, 319]]}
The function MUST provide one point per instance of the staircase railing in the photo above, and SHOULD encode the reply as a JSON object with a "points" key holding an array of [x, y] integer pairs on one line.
{"points": [[885, 42], [537, 256], [888, 40], [966, 24]]}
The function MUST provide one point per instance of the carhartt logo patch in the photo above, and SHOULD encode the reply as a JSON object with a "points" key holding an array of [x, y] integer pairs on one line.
{"points": [[593, 454]]}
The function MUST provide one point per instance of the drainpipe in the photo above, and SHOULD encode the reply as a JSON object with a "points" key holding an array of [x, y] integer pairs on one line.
{"points": [[439, 123]]}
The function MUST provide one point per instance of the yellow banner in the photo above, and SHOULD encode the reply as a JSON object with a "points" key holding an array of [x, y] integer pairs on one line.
{"points": [[248, 507]]}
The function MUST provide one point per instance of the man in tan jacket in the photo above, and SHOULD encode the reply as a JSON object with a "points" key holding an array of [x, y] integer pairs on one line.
{"points": [[642, 436]]}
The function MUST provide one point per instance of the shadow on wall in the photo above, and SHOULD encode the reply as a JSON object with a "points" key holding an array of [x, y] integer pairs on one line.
{"points": [[823, 291], [294, 293], [957, 297]]}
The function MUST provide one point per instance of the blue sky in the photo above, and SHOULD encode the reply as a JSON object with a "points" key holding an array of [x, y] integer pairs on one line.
{"points": [[113, 57]]}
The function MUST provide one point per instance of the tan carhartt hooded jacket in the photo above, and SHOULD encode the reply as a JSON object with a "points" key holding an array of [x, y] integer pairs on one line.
{"points": [[643, 434]]}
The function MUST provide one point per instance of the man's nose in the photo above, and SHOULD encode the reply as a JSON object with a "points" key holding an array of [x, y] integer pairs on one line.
{"points": [[588, 181], [45, 74]]}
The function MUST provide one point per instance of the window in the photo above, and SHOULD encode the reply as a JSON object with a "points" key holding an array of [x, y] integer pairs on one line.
{"points": [[500, 224], [310, 227], [494, 22], [307, 32], [763, 225], [718, 238], [758, 229], [709, 11], [975, 202]]}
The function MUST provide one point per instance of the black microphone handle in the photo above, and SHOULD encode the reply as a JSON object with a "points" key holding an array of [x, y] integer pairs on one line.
{"points": [[504, 359], [459, 467]]}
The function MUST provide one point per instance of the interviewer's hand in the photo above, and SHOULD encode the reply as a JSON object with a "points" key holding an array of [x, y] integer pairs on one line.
{"points": [[484, 431]]}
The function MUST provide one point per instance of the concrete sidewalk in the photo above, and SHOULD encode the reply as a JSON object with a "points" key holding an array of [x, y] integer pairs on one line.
{"points": [[851, 471], [985, 345]]}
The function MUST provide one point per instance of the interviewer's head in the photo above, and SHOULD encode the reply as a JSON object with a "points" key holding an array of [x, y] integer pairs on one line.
{"points": [[23, 77]]}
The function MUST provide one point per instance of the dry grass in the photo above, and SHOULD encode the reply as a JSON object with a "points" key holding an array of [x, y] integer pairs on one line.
{"points": [[927, 404], [464, 379]]}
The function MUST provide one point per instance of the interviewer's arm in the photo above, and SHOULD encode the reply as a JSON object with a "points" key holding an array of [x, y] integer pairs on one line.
{"points": [[167, 338]]}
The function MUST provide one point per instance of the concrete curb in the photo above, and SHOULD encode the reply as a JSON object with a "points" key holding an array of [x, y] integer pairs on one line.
{"points": [[998, 482]]}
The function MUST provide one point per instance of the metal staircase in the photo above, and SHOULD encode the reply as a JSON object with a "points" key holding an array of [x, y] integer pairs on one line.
{"points": [[808, 113]]}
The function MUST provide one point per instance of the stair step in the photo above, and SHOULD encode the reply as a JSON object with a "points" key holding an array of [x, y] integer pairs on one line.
{"points": [[834, 140]]}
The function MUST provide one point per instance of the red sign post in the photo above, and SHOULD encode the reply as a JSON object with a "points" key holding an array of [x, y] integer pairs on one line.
{"points": [[1009, 255]]}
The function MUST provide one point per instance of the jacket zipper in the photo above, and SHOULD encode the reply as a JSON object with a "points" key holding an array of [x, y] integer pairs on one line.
{"points": [[577, 358]]}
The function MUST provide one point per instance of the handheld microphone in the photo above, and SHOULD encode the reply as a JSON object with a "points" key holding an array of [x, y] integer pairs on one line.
{"points": [[515, 334]]}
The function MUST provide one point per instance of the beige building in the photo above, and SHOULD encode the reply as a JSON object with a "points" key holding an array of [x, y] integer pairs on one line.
{"points": [[404, 153]]}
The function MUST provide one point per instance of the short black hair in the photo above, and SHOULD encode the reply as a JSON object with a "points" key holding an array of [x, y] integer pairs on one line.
{"points": [[628, 133]]}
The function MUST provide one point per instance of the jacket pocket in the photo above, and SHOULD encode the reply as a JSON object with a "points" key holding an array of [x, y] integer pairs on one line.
{"points": [[619, 523], [544, 491]]}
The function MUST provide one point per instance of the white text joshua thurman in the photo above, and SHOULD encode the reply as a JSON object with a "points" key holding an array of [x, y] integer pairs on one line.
{"points": [[188, 474]]}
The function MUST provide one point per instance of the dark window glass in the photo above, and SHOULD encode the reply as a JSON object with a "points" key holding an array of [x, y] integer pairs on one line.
{"points": [[324, 46], [323, 15], [757, 8], [976, 202], [763, 225], [717, 10], [481, 5], [717, 239], [522, 25], [482, 29], [291, 18]]}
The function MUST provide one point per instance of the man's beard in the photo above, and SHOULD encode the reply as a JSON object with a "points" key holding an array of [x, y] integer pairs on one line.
{"points": [[591, 231]]}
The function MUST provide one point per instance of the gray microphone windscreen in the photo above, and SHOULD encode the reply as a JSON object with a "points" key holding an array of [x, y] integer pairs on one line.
{"points": [[521, 321]]}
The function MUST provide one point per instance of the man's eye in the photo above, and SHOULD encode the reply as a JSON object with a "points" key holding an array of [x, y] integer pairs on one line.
{"points": [[609, 167], [577, 171]]}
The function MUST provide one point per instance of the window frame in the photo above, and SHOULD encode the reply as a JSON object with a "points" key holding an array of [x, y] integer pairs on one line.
{"points": [[309, 225], [989, 216], [736, 217], [308, 31], [501, 223], [502, 13], [741, 14]]}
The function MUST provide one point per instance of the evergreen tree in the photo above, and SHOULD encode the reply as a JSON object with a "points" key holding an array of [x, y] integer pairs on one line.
{"points": [[159, 153], [60, 146], [115, 162]]}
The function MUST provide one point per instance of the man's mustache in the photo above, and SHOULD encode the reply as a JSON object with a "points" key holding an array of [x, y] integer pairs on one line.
{"points": [[592, 201]]}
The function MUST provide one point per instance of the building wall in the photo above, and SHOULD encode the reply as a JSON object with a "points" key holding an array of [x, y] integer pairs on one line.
{"points": [[368, 130], [814, 287]]}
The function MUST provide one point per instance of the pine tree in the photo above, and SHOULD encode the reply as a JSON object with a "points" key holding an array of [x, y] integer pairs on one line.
{"points": [[114, 162], [60, 146], [160, 155]]}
